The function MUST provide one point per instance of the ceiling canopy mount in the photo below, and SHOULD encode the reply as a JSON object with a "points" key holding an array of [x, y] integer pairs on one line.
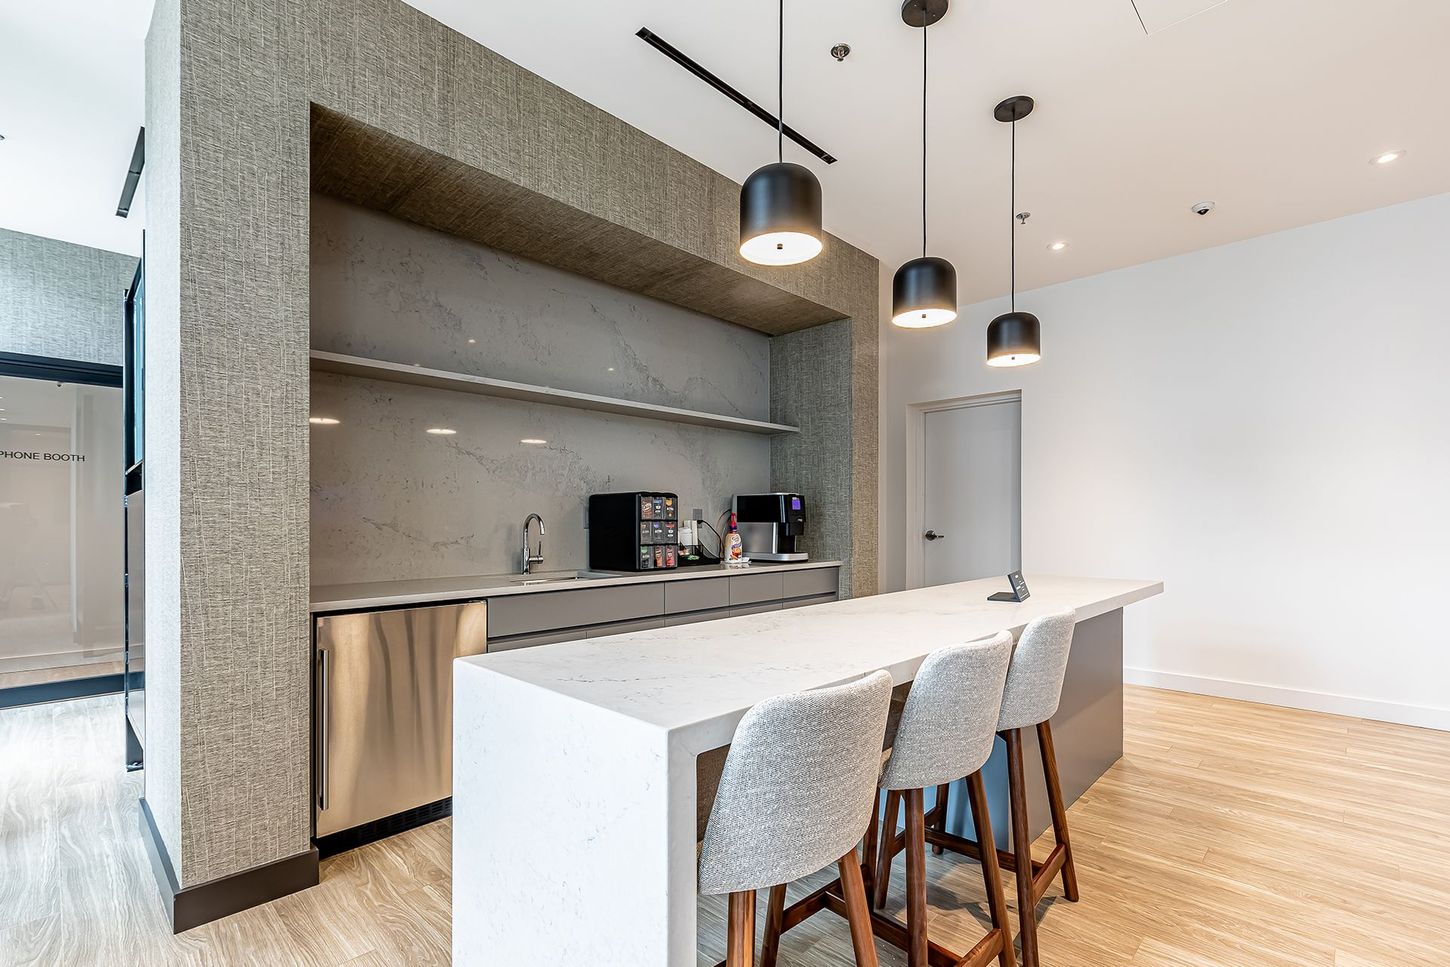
{"points": [[923, 13]]}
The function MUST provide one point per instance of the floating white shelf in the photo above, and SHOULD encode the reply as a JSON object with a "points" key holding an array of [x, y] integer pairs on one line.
{"points": [[487, 386]]}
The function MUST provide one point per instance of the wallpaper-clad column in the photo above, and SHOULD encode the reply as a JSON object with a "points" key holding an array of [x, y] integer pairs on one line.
{"points": [[229, 89], [226, 462], [163, 424]]}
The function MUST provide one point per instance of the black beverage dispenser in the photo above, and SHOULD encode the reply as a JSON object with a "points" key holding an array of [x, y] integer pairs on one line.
{"points": [[634, 532]]}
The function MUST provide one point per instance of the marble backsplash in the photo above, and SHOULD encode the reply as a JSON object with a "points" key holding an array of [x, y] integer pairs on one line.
{"points": [[389, 500], [388, 289]]}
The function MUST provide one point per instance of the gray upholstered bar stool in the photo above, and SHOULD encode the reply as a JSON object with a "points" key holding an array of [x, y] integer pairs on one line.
{"points": [[1034, 689], [796, 795], [946, 729]]}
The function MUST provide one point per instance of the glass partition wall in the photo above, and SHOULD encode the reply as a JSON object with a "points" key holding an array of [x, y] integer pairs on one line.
{"points": [[61, 520]]}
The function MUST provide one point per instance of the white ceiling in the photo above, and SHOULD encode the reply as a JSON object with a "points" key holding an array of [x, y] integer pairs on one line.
{"points": [[72, 90], [1271, 108]]}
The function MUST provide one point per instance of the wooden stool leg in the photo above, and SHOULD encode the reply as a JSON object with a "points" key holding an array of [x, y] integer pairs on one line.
{"points": [[858, 913], [1059, 812], [869, 847], [941, 819], [915, 879], [887, 853], [740, 930], [774, 921], [1021, 847], [991, 872]]}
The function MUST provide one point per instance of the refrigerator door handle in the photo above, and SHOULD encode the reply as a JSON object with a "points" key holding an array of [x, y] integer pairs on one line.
{"points": [[324, 677]]}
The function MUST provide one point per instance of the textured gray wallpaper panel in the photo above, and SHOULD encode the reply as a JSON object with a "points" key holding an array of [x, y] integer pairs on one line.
{"points": [[810, 377], [62, 300], [232, 84]]}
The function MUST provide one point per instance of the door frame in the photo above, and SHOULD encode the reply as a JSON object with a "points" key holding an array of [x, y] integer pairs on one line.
{"points": [[53, 370], [916, 469]]}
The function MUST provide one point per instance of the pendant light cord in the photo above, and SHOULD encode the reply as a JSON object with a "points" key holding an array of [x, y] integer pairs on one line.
{"points": [[924, 29], [780, 89], [1013, 220]]}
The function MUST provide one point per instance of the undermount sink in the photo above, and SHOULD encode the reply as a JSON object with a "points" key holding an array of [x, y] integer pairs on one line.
{"points": [[556, 577]]}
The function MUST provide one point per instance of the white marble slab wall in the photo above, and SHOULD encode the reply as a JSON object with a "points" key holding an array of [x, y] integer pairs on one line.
{"points": [[389, 289], [391, 500]]}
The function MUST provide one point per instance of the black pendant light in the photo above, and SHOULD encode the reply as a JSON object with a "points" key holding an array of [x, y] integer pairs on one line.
{"points": [[780, 204], [1014, 338], [924, 290]]}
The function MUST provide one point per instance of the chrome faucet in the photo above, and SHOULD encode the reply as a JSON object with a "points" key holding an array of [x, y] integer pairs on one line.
{"points": [[529, 559]]}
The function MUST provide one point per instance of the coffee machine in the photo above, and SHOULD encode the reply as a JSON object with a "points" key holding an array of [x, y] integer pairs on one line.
{"points": [[769, 525]]}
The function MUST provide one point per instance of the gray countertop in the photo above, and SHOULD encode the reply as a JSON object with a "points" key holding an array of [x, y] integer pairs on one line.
{"points": [[389, 594]]}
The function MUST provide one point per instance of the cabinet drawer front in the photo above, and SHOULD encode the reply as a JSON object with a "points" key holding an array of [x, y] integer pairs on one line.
{"points": [[695, 617], [523, 614], [529, 641], [625, 627], [750, 588], [807, 602], [755, 608], [805, 584], [701, 594]]}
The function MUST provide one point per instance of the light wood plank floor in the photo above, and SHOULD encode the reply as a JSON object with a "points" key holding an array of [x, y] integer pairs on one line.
{"points": [[1230, 834]]}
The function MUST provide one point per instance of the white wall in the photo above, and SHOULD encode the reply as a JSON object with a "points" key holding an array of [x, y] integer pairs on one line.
{"points": [[1266, 427]]}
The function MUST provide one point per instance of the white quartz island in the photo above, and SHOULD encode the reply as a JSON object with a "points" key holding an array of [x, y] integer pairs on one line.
{"points": [[574, 803]]}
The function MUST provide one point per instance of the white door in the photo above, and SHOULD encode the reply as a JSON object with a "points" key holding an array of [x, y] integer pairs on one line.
{"points": [[972, 491]]}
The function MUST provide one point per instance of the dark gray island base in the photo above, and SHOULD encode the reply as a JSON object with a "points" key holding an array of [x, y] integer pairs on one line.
{"points": [[1087, 734]]}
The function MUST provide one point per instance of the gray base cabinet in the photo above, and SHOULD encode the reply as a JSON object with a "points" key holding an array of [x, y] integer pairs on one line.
{"points": [[549, 617]]}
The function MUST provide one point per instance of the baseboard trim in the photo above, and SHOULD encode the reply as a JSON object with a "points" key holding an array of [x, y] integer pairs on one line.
{"points": [[1420, 716], [222, 897]]}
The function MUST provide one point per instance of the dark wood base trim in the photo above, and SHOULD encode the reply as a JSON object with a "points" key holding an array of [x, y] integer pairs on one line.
{"points": [[205, 902]]}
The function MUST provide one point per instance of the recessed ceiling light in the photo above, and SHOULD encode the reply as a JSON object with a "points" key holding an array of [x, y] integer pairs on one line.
{"points": [[1057, 246], [441, 431], [323, 420], [1389, 157], [533, 441], [610, 369], [472, 342]]}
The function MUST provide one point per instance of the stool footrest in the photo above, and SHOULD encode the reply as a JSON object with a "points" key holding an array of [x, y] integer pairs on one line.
{"points": [[892, 931], [969, 849]]}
